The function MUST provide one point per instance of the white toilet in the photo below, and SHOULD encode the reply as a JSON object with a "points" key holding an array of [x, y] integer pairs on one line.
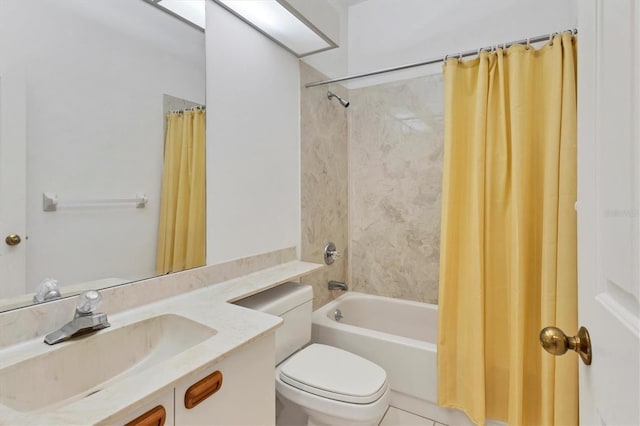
{"points": [[320, 384]]}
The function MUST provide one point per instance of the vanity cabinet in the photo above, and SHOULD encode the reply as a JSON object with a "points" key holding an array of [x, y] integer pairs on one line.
{"points": [[246, 395], [237, 390]]}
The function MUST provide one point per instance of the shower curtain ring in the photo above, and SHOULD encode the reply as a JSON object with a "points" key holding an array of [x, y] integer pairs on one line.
{"points": [[528, 43], [459, 57]]}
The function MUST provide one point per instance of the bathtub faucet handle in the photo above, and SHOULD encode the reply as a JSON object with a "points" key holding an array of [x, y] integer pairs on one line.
{"points": [[330, 253]]}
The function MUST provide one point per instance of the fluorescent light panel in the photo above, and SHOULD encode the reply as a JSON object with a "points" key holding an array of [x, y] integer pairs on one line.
{"points": [[278, 23], [189, 10]]}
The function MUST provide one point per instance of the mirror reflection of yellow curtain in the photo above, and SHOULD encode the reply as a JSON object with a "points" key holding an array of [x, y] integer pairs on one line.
{"points": [[508, 243], [181, 232]]}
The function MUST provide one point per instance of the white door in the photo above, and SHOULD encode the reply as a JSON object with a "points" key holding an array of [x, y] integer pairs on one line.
{"points": [[12, 182], [608, 218]]}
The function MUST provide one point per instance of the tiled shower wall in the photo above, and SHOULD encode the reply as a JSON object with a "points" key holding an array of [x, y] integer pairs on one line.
{"points": [[396, 134], [324, 185], [371, 182]]}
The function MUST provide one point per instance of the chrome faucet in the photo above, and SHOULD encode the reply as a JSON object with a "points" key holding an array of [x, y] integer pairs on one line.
{"points": [[84, 321], [330, 253], [337, 285]]}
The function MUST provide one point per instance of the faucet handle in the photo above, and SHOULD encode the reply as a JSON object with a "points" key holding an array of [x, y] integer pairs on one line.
{"points": [[47, 290], [330, 253], [88, 301]]}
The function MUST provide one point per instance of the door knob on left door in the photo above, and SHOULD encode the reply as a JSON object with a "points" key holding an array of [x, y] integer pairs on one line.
{"points": [[13, 239], [554, 341]]}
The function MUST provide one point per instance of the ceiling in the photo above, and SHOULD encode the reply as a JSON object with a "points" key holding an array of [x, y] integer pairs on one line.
{"points": [[349, 3]]}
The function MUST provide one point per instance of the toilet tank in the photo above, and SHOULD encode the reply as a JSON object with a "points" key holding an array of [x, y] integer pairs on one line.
{"points": [[292, 302]]}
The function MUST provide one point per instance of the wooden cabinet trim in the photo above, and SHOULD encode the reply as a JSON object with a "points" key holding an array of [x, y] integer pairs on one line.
{"points": [[202, 389], [157, 416]]}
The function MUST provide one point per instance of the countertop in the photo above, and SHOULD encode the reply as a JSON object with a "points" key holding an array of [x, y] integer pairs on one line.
{"points": [[235, 327]]}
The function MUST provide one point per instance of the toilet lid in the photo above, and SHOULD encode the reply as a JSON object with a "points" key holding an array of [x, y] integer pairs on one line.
{"points": [[334, 373]]}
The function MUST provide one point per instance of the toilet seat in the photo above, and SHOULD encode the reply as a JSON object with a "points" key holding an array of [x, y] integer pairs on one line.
{"points": [[336, 374]]}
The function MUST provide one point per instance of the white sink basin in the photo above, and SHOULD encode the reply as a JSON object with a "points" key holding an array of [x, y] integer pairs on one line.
{"points": [[86, 365]]}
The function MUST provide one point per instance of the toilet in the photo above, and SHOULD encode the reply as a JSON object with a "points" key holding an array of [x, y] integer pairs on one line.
{"points": [[318, 385]]}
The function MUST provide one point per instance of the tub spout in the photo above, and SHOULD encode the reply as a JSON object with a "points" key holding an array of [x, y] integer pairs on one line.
{"points": [[337, 285]]}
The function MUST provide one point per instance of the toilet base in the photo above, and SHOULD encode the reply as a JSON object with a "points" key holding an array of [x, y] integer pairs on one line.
{"points": [[290, 414]]}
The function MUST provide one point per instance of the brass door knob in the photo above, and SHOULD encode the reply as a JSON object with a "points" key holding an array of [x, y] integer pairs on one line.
{"points": [[554, 341], [12, 239]]}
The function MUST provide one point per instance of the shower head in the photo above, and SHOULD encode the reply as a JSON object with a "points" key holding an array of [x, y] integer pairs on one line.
{"points": [[343, 102]]}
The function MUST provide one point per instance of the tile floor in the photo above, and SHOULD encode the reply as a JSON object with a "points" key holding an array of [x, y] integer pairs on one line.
{"points": [[396, 417]]}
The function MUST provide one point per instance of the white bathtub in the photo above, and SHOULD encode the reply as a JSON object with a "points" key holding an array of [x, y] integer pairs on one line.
{"points": [[400, 336]]}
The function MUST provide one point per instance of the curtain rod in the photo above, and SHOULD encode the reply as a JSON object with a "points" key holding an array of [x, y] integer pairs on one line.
{"points": [[193, 108], [546, 37]]}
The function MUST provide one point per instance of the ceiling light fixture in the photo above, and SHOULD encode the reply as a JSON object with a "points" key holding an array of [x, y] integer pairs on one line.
{"points": [[190, 11], [284, 22]]}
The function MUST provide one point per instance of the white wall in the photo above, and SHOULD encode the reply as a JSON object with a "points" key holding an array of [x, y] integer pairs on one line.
{"points": [[95, 75], [386, 33], [334, 62], [253, 142]]}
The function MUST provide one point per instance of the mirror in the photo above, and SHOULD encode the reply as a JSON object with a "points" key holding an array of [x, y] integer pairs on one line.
{"points": [[96, 77]]}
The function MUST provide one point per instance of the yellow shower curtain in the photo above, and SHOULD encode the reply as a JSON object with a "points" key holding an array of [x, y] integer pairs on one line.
{"points": [[181, 232], [508, 243]]}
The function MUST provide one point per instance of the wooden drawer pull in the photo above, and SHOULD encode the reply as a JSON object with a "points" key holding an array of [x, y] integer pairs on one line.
{"points": [[154, 417], [202, 389]]}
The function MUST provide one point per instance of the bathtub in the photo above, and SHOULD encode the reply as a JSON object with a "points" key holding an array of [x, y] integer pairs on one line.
{"points": [[398, 335]]}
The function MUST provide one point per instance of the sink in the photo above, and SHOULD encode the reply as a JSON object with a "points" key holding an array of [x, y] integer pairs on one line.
{"points": [[86, 365]]}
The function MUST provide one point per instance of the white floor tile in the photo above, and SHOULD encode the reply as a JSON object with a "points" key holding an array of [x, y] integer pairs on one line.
{"points": [[395, 417]]}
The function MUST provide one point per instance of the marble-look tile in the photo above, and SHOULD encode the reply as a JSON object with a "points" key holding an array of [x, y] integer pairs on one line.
{"points": [[324, 180], [396, 134], [319, 280]]}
